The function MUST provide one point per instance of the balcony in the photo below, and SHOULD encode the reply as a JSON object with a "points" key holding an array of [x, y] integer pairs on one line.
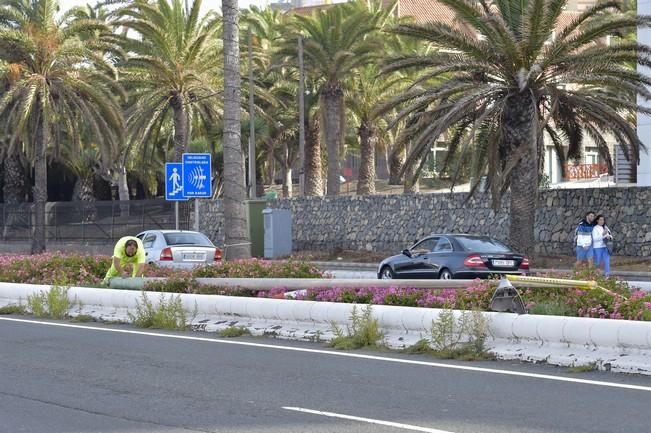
{"points": [[585, 171]]}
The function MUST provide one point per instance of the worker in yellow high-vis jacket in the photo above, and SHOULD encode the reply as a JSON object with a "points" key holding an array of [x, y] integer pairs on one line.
{"points": [[128, 251]]}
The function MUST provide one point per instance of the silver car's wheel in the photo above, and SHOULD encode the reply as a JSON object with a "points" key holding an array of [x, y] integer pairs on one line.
{"points": [[387, 273], [445, 274]]}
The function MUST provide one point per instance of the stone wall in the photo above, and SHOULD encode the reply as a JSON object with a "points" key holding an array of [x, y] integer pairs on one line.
{"points": [[390, 223]]}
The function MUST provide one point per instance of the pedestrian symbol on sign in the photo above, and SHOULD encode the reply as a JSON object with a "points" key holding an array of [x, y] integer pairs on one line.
{"points": [[175, 178], [174, 181]]}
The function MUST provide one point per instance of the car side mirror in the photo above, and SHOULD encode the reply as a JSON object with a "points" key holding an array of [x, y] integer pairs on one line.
{"points": [[406, 252]]}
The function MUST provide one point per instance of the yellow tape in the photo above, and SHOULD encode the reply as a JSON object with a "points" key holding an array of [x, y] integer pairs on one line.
{"points": [[589, 285], [555, 281]]}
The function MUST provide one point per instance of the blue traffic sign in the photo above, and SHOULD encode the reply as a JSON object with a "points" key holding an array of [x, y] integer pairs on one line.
{"points": [[197, 175], [174, 181]]}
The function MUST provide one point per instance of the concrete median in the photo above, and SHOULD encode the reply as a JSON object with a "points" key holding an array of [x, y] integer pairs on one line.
{"points": [[616, 345]]}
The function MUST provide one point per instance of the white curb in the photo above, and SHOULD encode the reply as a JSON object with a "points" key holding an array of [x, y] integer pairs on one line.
{"points": [[617, 345]]}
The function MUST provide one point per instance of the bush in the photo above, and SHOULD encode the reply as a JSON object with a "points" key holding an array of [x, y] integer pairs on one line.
{"points": [[53, 304], [234, 331], [255, 268], [164, 315], [84, 270], [363, 332], [51, 268], [13, 309], [175, 284]]}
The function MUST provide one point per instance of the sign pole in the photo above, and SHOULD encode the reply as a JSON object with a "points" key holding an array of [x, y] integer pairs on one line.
{"points": [[252, 159], [301, 119], [176, 215], [196, 214]]}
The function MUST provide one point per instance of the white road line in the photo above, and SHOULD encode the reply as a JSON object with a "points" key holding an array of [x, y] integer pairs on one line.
{"points": [[344, 355], [368, 420]]}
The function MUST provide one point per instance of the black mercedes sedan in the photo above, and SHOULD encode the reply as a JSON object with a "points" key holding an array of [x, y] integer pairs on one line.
{"points": [[448, 256]]}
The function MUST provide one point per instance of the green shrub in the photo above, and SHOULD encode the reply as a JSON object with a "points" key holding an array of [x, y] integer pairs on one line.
{"points": [[234, 331], [53, 303], [48, 268], [167, 314], [553, 308], [254, 268], [364, 331], [461, 338], [584, 368], [12, 309], [58, 303], [36, 304], [421, 346], [173, 285], [83, 318]]}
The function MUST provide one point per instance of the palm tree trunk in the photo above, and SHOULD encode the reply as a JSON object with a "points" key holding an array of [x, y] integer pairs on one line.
{"points": [[180, 126], [382, 162], [333, 112], [40, 185], [410, 180], [368, 136], [396, 161], [84, 191], [287, 181], [271, 165], [259, 180], [236, 236], [519, 135], [13, 191], [313, 168]]}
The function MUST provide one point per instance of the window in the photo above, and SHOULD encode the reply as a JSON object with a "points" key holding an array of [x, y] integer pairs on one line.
{"points": [[186, 239], [591, 155], [443, 246], [426, 245], [149, 240], [477, 244]]}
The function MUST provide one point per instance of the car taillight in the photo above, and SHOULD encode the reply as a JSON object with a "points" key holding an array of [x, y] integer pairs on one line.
{"points": [[474, 261], [166, 255], [218, 254], [524, 264]]}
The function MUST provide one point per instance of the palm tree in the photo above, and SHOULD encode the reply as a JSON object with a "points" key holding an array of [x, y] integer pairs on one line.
{"points": [[336, 43], [236, 237], [171, 69], [58, 80], [275, 93], [12, 155], [369, 90], [510, 83], [313, 159]]}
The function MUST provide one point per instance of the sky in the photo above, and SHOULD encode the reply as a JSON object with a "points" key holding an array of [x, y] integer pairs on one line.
{"points": [[207, 4]]}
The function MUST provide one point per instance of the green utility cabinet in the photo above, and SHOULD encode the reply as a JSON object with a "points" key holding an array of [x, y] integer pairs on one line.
{"points": [[256, 226]]}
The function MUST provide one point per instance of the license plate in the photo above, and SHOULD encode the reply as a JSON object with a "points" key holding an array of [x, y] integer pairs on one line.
{"points": [[504, 263], [192, 256]]}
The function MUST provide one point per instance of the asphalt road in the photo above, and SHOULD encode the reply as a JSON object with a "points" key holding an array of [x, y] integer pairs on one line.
{"points": [[115, 379]]}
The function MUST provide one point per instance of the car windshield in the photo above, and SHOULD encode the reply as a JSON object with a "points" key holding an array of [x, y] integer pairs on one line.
{"points": [[186, 239], [482, 245]]}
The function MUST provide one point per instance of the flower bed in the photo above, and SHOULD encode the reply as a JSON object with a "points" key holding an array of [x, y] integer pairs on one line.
{"points": [[628, 303], [81, 270]]}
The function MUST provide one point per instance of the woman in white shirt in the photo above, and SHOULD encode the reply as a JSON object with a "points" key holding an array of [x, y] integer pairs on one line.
{"points": [[600, 235]]}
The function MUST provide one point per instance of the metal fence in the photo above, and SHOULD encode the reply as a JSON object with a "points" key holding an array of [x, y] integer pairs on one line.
{"points": [[97, 221]]}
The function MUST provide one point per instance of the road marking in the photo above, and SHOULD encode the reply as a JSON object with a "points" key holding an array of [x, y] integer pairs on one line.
{"points": [[368, 420], [344, 355]]}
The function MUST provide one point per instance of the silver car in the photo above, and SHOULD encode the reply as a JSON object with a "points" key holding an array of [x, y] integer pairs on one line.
{"points": [[179, 248]]}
